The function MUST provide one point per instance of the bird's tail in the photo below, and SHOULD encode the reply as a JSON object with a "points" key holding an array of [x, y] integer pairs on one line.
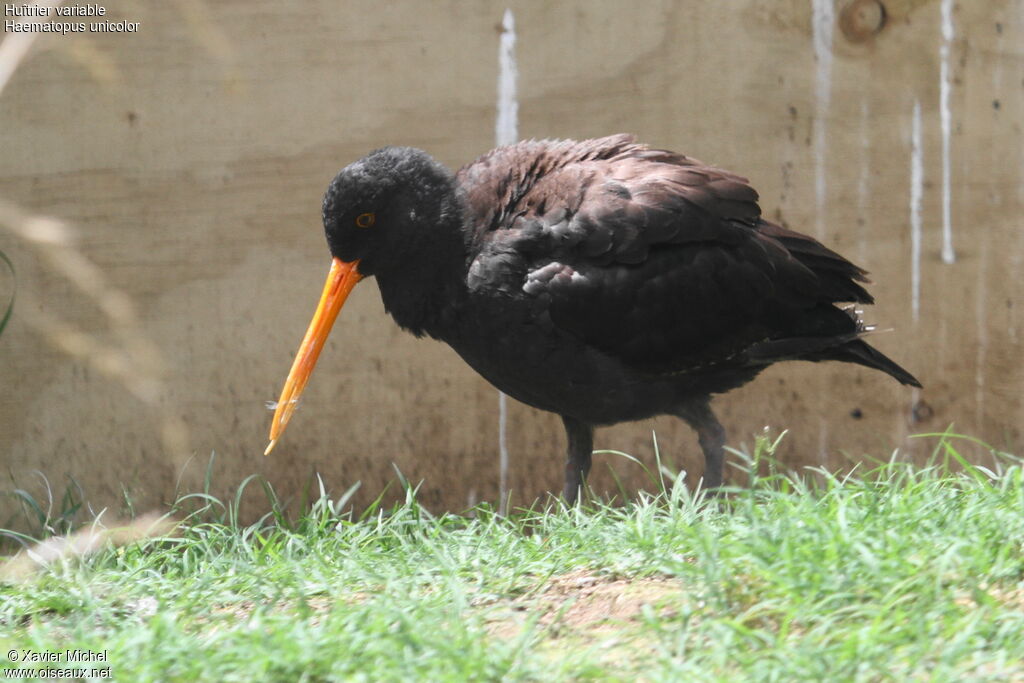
{"points": [[860, 352], [836, 337]]}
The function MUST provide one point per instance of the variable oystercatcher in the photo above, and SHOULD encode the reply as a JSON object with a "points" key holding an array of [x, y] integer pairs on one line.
{"points": [[601, 280]]}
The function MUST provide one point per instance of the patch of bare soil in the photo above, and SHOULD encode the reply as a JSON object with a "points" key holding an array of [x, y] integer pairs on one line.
{"points": [[591, 609]]}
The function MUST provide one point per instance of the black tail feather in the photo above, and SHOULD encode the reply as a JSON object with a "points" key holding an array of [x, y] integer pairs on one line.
{"points": [[831, 333], [860, 352], [848, 348]]}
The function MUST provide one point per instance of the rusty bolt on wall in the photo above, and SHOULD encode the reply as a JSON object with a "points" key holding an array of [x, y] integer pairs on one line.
{"points": [[861, 20]]}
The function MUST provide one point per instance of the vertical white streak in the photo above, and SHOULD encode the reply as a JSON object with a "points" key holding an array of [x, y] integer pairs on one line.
{"points": [[506, 131], [947, 21], [864, 181], [822, 26], [946, 118], [915, 397], [916, 193], [506, 127], [1020, 167], [823, 443], [981, 324], [502, 452]]}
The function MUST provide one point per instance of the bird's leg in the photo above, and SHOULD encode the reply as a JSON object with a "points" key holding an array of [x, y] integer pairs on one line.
{"points": [[711, 435], [577, 465]]}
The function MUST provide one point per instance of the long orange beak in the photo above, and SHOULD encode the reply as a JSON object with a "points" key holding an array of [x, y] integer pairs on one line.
{"points": [[340, 281]]}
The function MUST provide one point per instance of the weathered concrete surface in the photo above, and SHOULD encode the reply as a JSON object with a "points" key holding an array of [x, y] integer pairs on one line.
{"points": [[191, 157]]}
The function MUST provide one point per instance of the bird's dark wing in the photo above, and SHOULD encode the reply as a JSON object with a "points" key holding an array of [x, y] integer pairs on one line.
{"points": [[649, 256]]}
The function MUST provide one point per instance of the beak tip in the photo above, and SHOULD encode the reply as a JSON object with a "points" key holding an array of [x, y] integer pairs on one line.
{"points": [[270, 446]]}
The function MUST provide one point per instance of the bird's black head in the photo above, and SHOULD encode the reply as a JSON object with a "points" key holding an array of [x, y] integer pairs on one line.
{"points": [[395, 214], [383, 204]]}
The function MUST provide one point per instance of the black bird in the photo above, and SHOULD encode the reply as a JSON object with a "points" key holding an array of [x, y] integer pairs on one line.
{"points": [[601, 280]]}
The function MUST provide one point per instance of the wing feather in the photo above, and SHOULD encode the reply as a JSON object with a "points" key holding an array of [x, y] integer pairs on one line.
{"points": [[650, 256]]}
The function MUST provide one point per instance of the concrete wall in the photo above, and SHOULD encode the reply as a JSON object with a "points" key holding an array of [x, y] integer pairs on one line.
{"points": [[190, 158]]}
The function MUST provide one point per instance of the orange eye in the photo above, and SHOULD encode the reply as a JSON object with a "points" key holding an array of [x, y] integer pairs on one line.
{"points": [[365, 220]]}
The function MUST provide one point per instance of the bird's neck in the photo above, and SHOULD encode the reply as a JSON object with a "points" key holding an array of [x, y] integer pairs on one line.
{"points": [[425, 289]]}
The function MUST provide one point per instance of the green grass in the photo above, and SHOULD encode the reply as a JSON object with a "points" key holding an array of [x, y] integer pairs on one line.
{"points": [[901, 573]]}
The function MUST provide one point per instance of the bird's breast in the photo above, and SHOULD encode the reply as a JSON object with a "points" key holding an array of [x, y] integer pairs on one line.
{"points": [[512, 344]]}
